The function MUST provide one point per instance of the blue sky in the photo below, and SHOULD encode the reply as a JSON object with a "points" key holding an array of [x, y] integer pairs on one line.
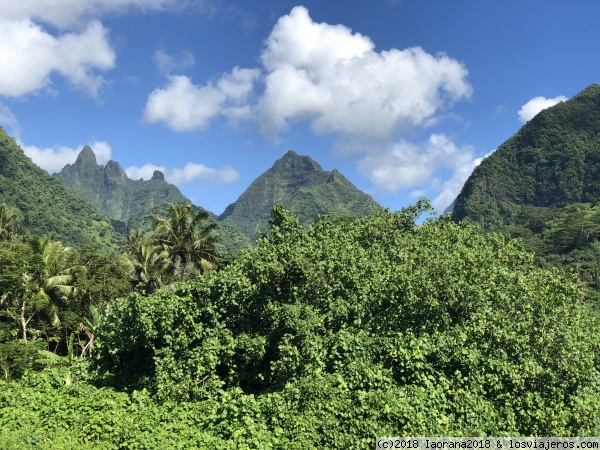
{"points": [[404, 97]]}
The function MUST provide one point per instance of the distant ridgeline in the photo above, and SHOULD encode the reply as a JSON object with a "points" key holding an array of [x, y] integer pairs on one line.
{"points": [[110, 190], [50, 208], [301, 186], [543, 185], [296, 182]]}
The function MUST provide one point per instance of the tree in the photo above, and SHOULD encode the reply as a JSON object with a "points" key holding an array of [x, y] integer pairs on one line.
{"points": [[147, 262], [55, 282], [186, 240], [18, 264], [10, 225]]}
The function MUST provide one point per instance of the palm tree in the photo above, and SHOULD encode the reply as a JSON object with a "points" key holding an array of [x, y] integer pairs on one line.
{"points": [[147, 262], [55, 280], [186, 240], [10, 225]]}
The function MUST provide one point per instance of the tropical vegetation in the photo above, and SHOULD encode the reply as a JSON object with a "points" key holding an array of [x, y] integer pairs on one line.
{"points": [[336, 332]]}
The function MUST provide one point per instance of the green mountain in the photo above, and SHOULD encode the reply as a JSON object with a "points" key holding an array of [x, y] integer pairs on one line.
{"points": [[50, 208], [301, 186], [543, 186], [552, 161], [112, 192]]}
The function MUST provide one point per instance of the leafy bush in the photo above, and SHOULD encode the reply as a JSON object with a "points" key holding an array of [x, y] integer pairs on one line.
{"points": [[369, 327]]}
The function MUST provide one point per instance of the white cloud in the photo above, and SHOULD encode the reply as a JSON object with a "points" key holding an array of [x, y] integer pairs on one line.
{"points": [[335, 78], [325, 74], [183, 106], [29, 55], [145, 172], [168, 64], [407, 164], [190, 172], [418, 193], [530, 109], [53, 159], [65, 13]]}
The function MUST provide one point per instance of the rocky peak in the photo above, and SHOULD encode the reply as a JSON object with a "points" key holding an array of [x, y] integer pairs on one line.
{"points": [[158, 175]]}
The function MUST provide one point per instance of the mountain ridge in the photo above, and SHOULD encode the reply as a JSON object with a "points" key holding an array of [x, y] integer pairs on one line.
{"points": [[112, 191]]}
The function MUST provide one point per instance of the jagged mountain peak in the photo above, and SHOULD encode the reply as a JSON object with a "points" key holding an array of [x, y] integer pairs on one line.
{"points": [[114, 170], [86, 154], [112, 191]]}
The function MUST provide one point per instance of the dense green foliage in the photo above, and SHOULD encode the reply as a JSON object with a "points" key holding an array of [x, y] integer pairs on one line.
{"points": [[49, 208], [303, 187], [330, 334], [346, 330]]}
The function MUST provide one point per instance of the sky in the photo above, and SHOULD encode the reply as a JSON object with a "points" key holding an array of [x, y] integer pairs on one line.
{"points": [[404, 97]]}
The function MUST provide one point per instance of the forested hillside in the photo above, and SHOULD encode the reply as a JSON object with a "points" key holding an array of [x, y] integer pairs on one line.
{"points": [[49, 208], [552, 161]]}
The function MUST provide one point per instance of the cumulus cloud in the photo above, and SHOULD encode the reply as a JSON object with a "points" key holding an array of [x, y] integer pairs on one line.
{"points": [[335, 78], [53, 159], [327, 75], [168, 64], [189, 172], [183, 106], [530, 109], [407, 164], [65, 13], [29, 55]]}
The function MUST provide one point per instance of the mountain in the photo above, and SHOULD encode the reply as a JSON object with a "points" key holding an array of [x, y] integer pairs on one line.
{"points": [[300, 185], [132, 203], [543, 186], [112, 191], [51, 209], [552, 161]]}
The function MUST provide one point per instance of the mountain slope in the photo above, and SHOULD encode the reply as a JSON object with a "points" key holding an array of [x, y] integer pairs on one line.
{"points": [[51, 209], [552, 161], [112, 192], [300, 185]]}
